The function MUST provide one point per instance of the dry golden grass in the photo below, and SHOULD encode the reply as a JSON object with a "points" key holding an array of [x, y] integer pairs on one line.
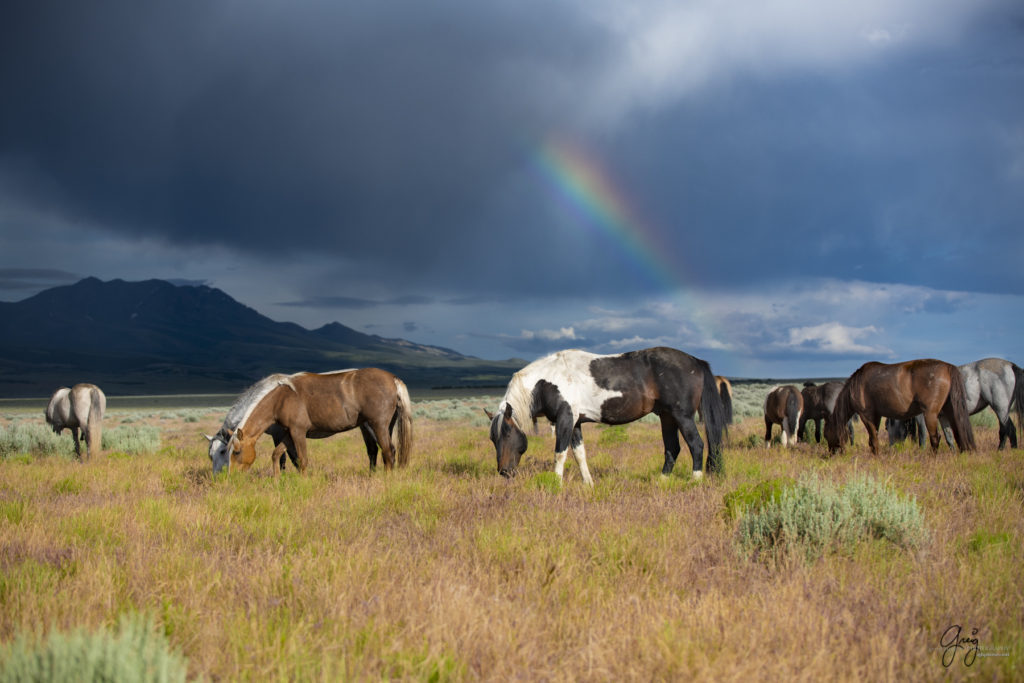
{"points": [[445, 571]]}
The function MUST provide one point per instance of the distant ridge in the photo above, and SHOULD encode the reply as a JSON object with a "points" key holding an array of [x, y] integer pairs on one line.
{"points": [[154, 337]]}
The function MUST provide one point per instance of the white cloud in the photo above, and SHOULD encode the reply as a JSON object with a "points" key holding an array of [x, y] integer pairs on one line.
{"points": [[660, 50], [834, 337], [567, 333]]}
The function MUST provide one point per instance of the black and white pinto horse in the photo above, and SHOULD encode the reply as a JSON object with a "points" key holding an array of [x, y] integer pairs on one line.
{"points": [[79, 407], [988, 383], [572, 387]]}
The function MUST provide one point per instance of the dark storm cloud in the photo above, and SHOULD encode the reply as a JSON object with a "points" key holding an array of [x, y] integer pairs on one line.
{"points": [[400, 137], [355, 302], [17, 279]]}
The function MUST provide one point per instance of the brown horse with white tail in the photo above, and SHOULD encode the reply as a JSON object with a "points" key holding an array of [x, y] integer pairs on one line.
{"points": [[292, 408], [902, 390]]}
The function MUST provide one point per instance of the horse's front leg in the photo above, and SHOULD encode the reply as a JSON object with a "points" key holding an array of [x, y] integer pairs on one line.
{"points": [[768, 432], [580, 454], [371, 444], [931, 423], [298, 437], [817, 430], [871, 424]]}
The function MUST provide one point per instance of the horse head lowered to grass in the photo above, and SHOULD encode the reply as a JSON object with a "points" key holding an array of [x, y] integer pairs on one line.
{"points": [[292, 408], [572, 387]]}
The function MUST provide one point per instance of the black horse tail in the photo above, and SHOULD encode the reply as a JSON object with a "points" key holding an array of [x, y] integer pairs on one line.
{"points": [[725, 393], [402, 427], [1018, 396], [793, 409], [957, 404], [713, 411]]}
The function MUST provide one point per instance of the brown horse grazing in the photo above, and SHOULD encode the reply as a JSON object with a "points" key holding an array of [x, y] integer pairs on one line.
{"points": [[782, 406], [819, 401], [292, 408], [902, 390]]}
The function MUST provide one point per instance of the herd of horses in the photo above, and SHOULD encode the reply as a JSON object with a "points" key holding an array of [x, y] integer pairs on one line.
{"points": [[573, 387]]}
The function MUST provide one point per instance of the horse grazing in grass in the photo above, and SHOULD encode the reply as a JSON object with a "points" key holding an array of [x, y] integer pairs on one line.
{"points": [[902, 390], [572, 387], [80, 407], [988, 383], [819, 401], [292, 408], [782, 406]]}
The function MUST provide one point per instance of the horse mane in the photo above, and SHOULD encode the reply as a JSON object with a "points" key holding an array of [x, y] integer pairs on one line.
{"points": [[251, 398], [843, 409], [520, 397]]}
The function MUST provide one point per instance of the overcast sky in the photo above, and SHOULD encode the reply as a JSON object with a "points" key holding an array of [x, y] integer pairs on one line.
{"points": [[783, 187]]}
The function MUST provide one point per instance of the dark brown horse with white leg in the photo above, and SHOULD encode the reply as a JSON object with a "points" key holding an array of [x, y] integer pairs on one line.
{"points": [[292, 408], [902, 391]]}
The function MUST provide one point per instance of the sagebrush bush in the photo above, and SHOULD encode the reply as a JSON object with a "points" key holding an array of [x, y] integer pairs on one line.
{"points": [[134, 439], [20, 438], [815, 516], [134, 651]]}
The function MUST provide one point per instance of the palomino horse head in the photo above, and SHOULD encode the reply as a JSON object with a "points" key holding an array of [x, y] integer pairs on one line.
{"points": [[231, 448], [509, 441]]}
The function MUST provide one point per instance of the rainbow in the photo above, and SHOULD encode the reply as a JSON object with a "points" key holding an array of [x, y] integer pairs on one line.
{"points": [[585, 188]]}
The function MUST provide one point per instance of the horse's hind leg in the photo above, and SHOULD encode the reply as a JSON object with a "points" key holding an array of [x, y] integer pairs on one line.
{"points": [[579, 453], [693, 441], [931, 423], [387, 449], [670, 437], [371, 444], [74, 440], [767, 433]]}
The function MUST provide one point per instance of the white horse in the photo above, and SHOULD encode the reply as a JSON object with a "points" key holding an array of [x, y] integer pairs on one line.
{"points": [[80, 407]]}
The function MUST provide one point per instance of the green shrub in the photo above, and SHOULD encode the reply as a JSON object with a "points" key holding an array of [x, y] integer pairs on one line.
{"points": [[132, 440], [812, 517], [754, 497], [134, 651], [613, 435], [21, 438], [546, 481]]}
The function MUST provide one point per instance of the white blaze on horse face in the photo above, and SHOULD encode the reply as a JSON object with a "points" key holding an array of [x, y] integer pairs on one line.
{"points": [[220, 455]]}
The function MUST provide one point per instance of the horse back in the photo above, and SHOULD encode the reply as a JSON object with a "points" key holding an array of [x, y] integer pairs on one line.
{"points": [[900, 390], [342, 400]]}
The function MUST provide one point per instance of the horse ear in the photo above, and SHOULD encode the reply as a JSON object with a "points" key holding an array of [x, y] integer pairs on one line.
{"points": [[489, 414], [208, 437], [238, 434], [508, 411]]}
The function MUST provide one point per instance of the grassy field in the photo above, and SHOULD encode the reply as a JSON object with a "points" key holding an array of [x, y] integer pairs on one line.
{"points": [[445, 571]]}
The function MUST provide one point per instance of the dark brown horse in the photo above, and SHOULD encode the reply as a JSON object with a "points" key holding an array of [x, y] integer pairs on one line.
{"points": [[292, 408], [902, 391], [819, 401], [782, 406]]}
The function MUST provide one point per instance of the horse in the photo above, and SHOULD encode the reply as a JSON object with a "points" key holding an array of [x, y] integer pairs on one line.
{"points": [[902, 390], [292, 408], [572, 387], [80, 407], [988, 383], [819, 401], [783, 406]]}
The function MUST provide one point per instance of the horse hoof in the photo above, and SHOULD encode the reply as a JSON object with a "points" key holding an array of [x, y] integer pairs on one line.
{"points": [[698, 475]]}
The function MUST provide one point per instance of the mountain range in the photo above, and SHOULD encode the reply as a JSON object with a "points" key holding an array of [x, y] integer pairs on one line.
{"points": [[154, 337]]}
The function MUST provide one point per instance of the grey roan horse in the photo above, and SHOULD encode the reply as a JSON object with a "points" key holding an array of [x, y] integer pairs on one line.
{"points": [[80, 407], [989, 382]]}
